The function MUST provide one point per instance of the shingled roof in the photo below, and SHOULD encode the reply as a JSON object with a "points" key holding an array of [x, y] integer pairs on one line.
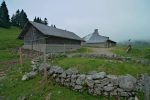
{"points": [[51, 31], [95, 37]]}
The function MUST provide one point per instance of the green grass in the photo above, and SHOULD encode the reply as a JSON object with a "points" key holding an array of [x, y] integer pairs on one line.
{"points": [[8, 38], [11, 87], [136, 52], [111, 67]]}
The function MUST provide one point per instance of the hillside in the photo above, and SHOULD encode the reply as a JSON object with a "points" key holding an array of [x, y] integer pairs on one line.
{"points": [[13, 88]]}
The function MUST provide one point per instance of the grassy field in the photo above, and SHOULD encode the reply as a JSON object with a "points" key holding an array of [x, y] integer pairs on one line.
{"points": [[136, 52], [110, 66], [12, 87]]}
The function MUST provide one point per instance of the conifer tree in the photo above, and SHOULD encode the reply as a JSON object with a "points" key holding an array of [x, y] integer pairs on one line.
{"points": [[35, 19], [23, 18], [45, 21], [4, 16]]}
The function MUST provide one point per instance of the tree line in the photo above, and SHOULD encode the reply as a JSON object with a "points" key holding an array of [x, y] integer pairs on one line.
{"points": [[19, 19]]}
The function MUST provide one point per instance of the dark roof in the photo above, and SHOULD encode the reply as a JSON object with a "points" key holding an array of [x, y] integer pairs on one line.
{"points": [[95, 38], [51, 31], [111, 41]]}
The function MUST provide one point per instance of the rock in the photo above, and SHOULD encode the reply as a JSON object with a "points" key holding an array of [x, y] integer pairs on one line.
{"points": [[63, 75], [24, 77], [127, 82], [81, 79], [124, 94], [89, 81], [29, 75], [104, 81], [34, 67], [97, 91], [114, 93], [43, 66], [72, 71], [113, 79], [108, 88], [99, 75], [55, 69], [78, 87], [33, 62]]}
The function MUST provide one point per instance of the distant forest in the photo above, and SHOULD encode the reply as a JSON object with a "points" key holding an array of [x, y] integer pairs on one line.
{"points": [[19, 19]]}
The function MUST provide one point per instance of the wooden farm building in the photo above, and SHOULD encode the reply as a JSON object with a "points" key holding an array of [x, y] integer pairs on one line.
{"points": [[42, 38], [96, 40]]}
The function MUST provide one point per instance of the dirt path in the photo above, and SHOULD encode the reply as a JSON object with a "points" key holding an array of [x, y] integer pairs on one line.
{"points": [[105, 51]]}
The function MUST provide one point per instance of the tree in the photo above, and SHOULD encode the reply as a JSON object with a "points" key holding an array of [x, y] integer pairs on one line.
{"points": [[19, 19], [23, 18], [54, 26], [35, 19], [4, 16], [13, 20], [39, 20], [45, 21]]}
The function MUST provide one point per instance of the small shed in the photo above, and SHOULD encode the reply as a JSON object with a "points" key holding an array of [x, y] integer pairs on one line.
{"points": [[96, 40], [42, 38]]}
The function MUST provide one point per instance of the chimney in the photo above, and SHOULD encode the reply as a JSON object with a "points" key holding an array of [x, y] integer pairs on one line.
{"points": [[96, 31]]}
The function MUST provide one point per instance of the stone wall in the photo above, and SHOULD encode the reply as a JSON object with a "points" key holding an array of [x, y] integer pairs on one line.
{"points": [[95, 83]]}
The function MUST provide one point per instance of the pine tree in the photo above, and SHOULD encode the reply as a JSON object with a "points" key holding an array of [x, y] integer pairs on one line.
{"points": [[45, 21], [23, 18], [54, 26], [38, 20], [4, 17], [13, 20], [17, 18], [35, 19]]}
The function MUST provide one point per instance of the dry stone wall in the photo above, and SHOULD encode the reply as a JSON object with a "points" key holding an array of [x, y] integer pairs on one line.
{"points": [[95, 83]]}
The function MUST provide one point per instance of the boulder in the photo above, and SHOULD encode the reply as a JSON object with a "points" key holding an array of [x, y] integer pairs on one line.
{"points": [[72, 71], [113, 79], [55, 69], [89, 81], [29, 75], [78, 87], [127, 82], [81, 79], [108, 88], [43, 66], [99, 75]]}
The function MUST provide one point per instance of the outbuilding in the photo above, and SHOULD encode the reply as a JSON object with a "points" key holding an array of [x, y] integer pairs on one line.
{"points": [[96, 40], [42, 38]]}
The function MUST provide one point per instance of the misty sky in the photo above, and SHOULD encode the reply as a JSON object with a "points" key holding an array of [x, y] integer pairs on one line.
{"points": [[118, 19]]}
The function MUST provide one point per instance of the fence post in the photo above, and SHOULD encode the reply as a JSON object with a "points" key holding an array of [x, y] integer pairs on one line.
{"points": [[146, 87]]}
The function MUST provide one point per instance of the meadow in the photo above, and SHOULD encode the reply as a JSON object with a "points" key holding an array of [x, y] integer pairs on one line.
{"points": [[12, 88]]}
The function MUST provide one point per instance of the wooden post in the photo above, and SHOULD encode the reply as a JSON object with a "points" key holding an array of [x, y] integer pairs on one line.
{"points": [[146, 87], [20, 60]]}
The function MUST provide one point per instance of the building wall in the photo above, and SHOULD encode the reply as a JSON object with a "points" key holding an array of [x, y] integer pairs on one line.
{"points": [[35, 40], [57, 44], [33, 36], [100, 45]]}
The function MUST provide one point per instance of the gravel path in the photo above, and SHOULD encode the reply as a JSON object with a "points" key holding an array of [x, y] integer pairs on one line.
{"points": [[105, 51]]}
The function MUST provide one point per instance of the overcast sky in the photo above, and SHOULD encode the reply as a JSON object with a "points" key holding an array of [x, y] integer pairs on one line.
{"points": [[118, 19]]}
